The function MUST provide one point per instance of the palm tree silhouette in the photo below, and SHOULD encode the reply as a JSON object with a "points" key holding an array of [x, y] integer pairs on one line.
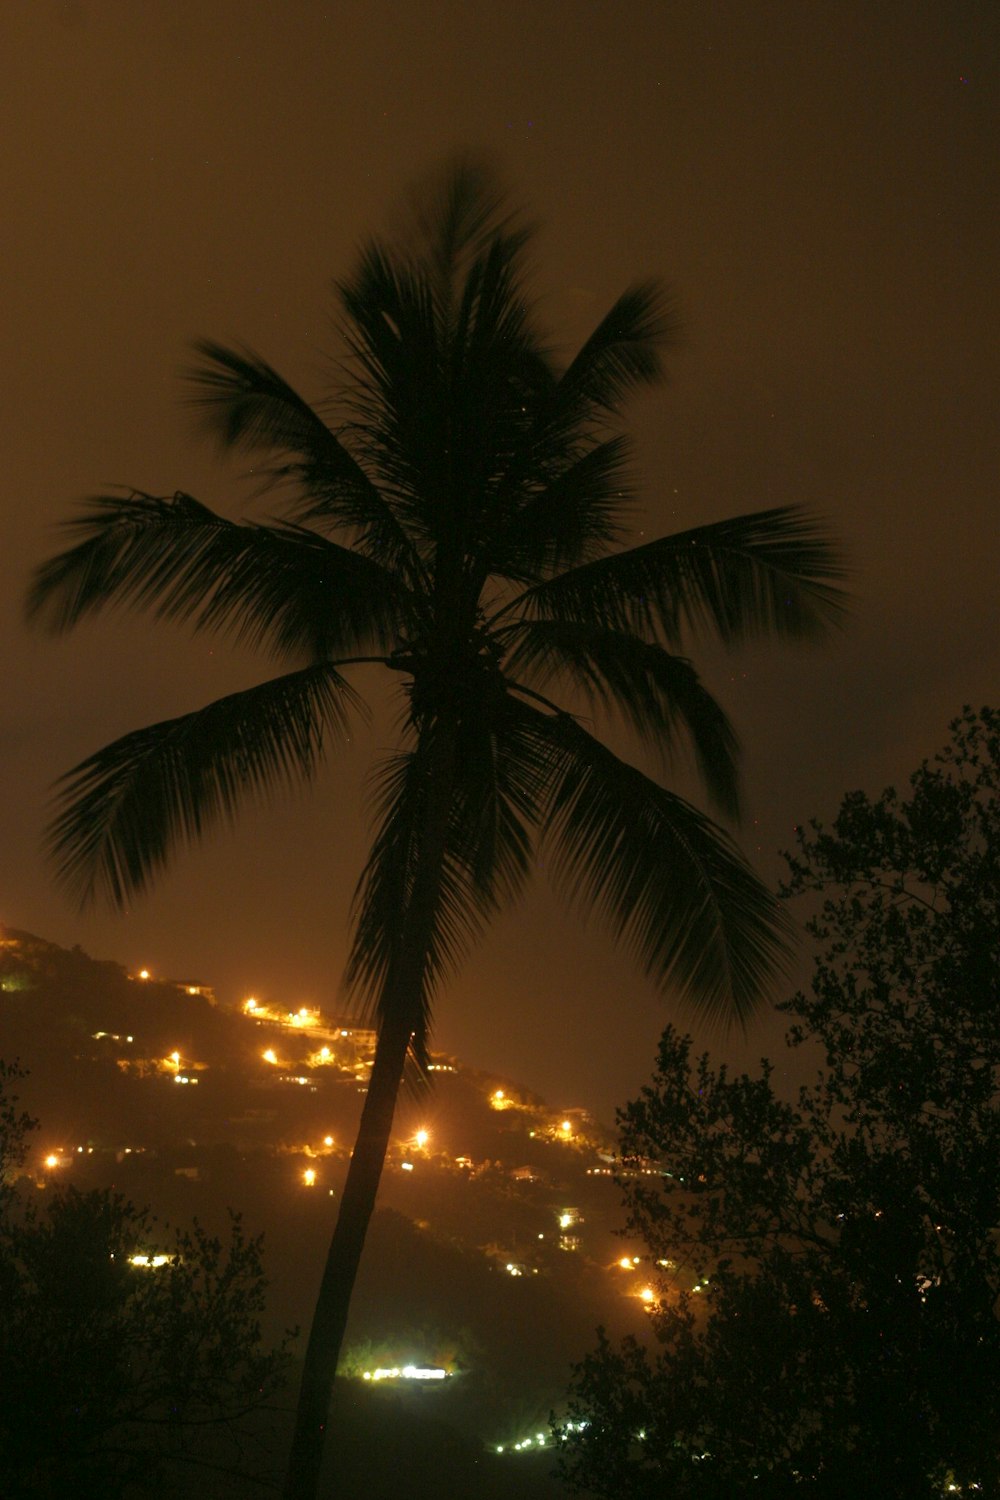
{"points": [[458, 517]]}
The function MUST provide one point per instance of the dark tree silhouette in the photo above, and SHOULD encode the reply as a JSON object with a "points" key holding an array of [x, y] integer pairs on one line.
{"points": [[456, 516], [845, 1339], [114, 1374]]}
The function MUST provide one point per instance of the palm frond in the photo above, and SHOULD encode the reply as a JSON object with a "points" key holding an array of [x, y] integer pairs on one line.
{"points": [[571, 517], [384, 893], [279, 586], [658, 695], [773, 572], [122, 811], [672, 888], [621, 355], [459, 213], [500, 779], [398, 398], [244, 403]]}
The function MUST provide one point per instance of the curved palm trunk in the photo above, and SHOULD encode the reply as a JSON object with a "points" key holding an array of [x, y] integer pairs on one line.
{"points": [[402, 994]]}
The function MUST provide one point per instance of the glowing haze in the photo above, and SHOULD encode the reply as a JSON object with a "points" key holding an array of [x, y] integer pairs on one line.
{"points": [[815, 181]]}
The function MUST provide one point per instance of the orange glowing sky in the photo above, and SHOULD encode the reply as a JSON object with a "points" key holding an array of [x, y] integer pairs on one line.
{"points": [[818, 184]]}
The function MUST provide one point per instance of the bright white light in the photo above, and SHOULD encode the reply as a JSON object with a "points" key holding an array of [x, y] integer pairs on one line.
{"points": [[328, 1140], [143, 973], [407, 1166], [148, 1262], [566, 1127], [52, 1160], [648, 1295], [422, 1137], [309, 1176], [270, 1056]]}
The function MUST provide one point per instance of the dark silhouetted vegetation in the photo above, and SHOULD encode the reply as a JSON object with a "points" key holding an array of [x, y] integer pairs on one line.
{"points": [[115, 1368], [845, 1337]]}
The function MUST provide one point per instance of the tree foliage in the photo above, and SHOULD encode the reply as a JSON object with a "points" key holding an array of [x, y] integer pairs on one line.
{"points": [[845, 1336], [113, 1369]]}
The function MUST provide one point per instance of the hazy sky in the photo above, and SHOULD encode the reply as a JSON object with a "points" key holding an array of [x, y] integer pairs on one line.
{"points": [[818, 183]]}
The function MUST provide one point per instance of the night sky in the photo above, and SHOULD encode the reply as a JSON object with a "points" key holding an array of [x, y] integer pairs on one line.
{"points": [[818, 184]]}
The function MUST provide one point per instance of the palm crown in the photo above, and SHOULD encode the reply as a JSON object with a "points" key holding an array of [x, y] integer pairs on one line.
{"points": [[460, 521]]}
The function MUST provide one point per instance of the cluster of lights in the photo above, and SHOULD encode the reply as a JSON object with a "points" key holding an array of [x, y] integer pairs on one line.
{"points": [[304, 1017], [56, 1159], [149, 1262], [540, 1439], [406, 1372]]}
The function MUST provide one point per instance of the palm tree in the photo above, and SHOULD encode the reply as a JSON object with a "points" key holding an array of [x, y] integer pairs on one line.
{"points": [[457, 516]]}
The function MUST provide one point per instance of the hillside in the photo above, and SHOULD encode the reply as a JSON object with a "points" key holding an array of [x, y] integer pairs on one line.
{"points": [[492, 1255]]}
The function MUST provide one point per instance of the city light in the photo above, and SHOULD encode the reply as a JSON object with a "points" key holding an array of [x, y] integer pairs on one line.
{"points": [[270, 1056], [406, 1372], [52, 1160], [309, 1176], [328, 1140], [647, 1295], [566, 1127], [421, 1138]]}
